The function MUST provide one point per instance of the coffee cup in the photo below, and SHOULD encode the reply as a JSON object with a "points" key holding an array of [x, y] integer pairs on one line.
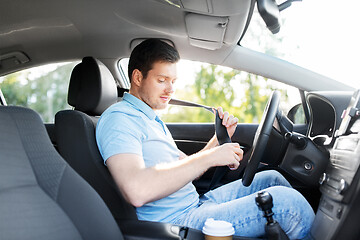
{"points": [[217, 230]]}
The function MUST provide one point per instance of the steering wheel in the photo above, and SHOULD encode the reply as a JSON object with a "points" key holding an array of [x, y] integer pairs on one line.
{"points": [[261, 137], [259, 144]]}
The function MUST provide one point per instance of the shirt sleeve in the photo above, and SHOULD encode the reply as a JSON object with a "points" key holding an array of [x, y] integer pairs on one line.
{"points": [[119, 133]]}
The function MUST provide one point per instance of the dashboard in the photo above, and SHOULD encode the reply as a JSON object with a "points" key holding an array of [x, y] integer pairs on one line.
{"points": [[307, 157], [326, 109], [337, 214]]}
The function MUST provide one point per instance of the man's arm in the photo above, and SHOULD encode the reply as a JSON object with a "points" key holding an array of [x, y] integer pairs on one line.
{"points": [[141, 185]]}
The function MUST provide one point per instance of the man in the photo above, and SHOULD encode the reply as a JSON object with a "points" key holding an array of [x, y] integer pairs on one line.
{"points": [[156, 177]]}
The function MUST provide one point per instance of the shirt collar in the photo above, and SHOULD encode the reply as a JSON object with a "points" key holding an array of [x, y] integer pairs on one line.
{"points": [[139, 105]]}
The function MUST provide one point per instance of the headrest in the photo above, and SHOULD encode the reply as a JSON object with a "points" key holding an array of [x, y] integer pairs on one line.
{"points": [[92, 87]]}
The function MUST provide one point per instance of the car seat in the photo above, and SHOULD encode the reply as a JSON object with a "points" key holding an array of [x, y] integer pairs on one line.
{"points": [[41, 196], [92, 89]]}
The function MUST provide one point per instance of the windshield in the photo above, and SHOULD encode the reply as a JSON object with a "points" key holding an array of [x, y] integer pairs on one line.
{"points": [[321, 35]]}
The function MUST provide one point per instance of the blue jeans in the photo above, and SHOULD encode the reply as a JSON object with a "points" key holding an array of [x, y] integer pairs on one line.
{"points": [[236, 204]]}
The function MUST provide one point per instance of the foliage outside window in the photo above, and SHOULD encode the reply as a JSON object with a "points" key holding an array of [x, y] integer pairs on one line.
{"points": [[43, 89], [242, 94]]}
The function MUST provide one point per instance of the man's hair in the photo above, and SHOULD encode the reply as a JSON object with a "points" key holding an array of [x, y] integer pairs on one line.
{"points": [[148, 52]]}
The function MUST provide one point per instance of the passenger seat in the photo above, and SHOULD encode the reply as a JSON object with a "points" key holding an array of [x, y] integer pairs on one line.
{"points": [[41, 197]]}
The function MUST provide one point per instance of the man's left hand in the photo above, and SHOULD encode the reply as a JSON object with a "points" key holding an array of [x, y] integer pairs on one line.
{"points": [[229, 121]]}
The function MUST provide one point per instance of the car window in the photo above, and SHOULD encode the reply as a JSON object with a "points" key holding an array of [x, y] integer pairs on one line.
{"points": [[43, 89], [240, 93], [320, 35]]}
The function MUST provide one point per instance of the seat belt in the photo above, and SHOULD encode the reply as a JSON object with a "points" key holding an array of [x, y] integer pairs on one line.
{"points": [[221, 135], [184, 103]]}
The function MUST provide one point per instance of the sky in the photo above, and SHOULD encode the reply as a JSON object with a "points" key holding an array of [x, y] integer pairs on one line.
{"points": [[327, 34]]}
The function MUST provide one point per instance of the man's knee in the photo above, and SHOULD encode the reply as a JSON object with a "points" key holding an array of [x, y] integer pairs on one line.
{"points": [[274, 177]]}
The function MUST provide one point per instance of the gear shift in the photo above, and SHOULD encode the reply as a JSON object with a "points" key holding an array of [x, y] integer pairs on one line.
{"points": [[272, 228]]}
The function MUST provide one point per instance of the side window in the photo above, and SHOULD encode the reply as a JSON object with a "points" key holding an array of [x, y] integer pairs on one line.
{"points": [[43, 89], [240, 93], [300, 116], [297, 114]]}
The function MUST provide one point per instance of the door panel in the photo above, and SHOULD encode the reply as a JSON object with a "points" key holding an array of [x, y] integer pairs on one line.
{"points": [[185, 134], [191, 138]]}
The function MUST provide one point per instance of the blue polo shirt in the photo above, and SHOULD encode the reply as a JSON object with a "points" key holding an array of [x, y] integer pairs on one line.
{"points": [[131, 126]]}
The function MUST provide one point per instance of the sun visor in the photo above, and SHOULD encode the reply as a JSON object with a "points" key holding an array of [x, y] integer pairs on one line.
{"points": [[206, 31]]}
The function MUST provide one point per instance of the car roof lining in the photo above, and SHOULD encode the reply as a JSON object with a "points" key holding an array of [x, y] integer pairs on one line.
{"points": [[56, 31]]}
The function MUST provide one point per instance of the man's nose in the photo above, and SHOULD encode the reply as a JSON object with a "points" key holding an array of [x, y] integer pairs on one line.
{"points": [[170, 88]]}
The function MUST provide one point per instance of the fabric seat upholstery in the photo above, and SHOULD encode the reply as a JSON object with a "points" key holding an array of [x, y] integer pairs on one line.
{"points": [[41, 196], [92, 89]]}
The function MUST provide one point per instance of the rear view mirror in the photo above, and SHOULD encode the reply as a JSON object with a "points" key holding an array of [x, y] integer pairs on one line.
{"points": [[270, 13]]}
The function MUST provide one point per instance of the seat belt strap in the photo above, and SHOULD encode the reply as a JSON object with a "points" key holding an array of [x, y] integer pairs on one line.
{"points": [[221, 135]]}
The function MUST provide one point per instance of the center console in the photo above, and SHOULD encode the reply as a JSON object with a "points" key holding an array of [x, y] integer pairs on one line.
{"points": [[339, 183]]}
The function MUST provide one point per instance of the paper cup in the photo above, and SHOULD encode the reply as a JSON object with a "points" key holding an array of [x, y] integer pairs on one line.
{"points": [[217, 230]]}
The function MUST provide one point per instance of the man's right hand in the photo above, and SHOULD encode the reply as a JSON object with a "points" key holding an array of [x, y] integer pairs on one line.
{"points": [[228, 154]]}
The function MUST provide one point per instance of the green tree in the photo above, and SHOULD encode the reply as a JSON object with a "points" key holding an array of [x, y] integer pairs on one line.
{"points": [[13, 90], [217, 86], [45, 93], [48, 93], [255, 99]]}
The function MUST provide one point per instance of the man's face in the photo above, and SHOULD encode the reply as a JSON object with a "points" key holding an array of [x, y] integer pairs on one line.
{"points": [[156, 89]]}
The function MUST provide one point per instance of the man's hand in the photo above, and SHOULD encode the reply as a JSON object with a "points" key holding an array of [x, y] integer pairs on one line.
{"points": [[228, 154], [228, 120]]}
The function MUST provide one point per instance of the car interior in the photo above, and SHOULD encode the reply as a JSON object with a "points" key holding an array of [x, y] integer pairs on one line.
{"points": [[53, 181]]}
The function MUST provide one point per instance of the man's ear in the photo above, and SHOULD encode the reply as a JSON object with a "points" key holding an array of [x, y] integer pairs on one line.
{"points": [[136, 77]]}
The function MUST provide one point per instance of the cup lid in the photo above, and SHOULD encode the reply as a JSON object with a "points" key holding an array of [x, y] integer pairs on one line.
{"points": [[217, 228]]}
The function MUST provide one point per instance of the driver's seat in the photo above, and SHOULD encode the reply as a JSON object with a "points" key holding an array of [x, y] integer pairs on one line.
{"points": [[92, 89]]}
